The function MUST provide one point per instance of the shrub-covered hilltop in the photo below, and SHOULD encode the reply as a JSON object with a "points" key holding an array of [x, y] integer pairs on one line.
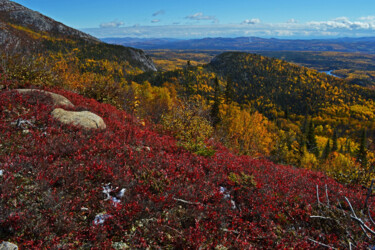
{"points": [[63, 186]]}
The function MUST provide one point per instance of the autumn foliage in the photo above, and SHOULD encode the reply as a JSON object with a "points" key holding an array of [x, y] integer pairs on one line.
{"points": [[54, 176], [161, 175]]}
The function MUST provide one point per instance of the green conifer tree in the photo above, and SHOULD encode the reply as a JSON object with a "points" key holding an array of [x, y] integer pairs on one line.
{"points": [[334, 141], [305, 127], [362, 151], [229, 90], [348, 148], [311, 143], [326, 150], [216, 105]]}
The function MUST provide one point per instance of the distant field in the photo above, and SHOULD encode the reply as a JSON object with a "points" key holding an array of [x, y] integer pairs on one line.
{"points": [[166, 60]]}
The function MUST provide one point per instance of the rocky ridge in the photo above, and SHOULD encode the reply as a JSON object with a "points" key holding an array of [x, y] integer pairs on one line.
{"points": [[21, 30], [20, 15]]}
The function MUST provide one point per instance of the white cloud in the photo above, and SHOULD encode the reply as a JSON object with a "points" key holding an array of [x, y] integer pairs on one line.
{"points": [[159, 12], [338, 27], [344, 23], [292, 20], [200, 16], [251, 21], [367, 18], [113, 24], [342, 19]]}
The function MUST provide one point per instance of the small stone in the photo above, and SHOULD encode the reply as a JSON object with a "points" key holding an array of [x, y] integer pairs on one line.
{"points": [[100, 218], [120, 245], [5, 245]]}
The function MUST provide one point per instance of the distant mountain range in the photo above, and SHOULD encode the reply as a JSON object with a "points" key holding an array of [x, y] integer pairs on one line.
{"points": [[365, 44]]}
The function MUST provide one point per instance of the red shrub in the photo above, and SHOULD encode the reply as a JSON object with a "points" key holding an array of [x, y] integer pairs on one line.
{"points": [[54, 174]]}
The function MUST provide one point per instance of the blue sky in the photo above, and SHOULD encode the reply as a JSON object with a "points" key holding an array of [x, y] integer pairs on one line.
{"points": [[213, 18]]}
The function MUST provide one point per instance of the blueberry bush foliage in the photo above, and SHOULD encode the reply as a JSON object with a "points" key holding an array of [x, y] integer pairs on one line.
{"points": [[127, 186]]}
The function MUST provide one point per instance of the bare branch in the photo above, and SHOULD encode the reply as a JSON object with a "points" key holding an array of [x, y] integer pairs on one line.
{"points": [[363, 225], [351, 208], [321, 244], [350, 245], [317, 194], [173, 229], [321, 217], [369, 215], [327, 196], [187, 202]]}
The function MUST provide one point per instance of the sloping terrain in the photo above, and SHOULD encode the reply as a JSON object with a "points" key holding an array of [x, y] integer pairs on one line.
{"points": [[271, 81], [62, 186], [25, 30]]}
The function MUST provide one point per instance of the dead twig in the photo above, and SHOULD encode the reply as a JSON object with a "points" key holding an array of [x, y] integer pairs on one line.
{"points": [[327, 196], [188, 202], [361, 223], [321, 244], [317, 194], [321, 217]]}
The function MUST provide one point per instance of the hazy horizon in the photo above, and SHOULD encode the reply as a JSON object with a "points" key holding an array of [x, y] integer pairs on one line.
{"points": [[235, 37]]}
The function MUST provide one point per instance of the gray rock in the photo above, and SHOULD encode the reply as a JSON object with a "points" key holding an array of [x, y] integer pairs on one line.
{"points": [[85, 119], [140, 59], [8, 246], [57, 99]]}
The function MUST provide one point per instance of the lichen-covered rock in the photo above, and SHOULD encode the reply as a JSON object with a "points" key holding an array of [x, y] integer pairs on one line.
{"points": [[8, 246], [58, 100], [85, 119]]}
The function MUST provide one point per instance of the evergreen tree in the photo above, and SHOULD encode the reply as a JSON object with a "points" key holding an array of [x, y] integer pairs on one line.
{"points": [[287, 113], [326, 150], [216, 105], [334, 141], [302, 145], [304, 127], [362, 151], [229, 91], [348, 149], [311, 143]]}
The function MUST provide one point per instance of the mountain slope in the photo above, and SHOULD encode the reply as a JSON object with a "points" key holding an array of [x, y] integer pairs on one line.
{"points": [[128, 187], [25, 30], [17, 14], [265, 81]]}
